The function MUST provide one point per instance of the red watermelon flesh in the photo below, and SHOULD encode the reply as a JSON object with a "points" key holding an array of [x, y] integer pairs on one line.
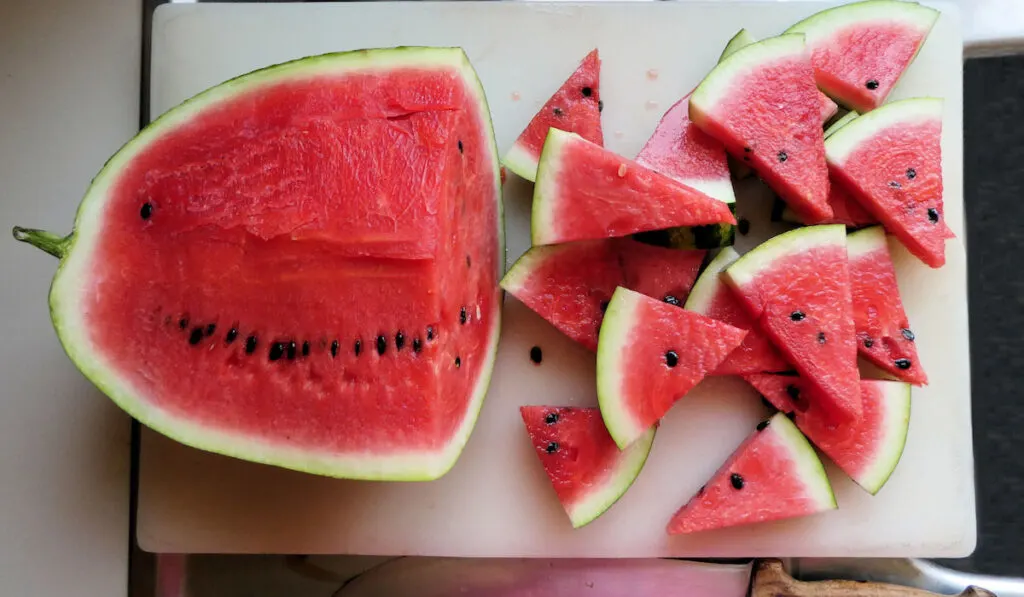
{"points": [[762, 104], [890, 160], [860, 50], [586, 468], [773, 475], [575, 107], [570, 285], [797, 286], [712, 298], [845, 210], [584, 191], [884, 335], [869, 450], [651, 354]]}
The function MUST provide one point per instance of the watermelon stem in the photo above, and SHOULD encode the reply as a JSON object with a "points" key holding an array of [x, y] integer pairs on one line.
{"points": [[41, 239]]}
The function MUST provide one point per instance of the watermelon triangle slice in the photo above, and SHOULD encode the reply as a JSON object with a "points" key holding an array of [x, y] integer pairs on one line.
{"points": [[587, 469], [712, 298], [575, 107], [775, 474], [584, 191], [762, 104], [570, 285], [649, 355], [884, 336], [890, 160], [797, 286], [869, 450], [860, 50]]}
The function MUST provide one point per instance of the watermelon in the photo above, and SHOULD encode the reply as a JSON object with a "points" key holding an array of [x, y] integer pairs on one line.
{"points": [[649, 355], [587, 469], [570, 285], [773, 475], [575, 107], [712, 298], [869, 450], [884, 336], [761, 103], [860, 50], [890, 160], [797, 287], [585, 191], [298, 267]]}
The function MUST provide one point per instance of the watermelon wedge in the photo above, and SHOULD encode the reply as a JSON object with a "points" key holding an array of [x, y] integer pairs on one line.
{"points": [[890, 160], [761, 103], [256, 296], [869, 450], [575, 107], [775, 474], [570, 285], [651, 354], [712, 298], [587, 469], [797, 287], [861, 49], [584, 191], [884, 336]]}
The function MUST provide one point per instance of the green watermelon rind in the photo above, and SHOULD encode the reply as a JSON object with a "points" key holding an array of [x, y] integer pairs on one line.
{"points": [[866, 240], [866, 127], [546, 187], [840, 122], [896, 398], [709, 282], [767, 255], [520, 160], [809, 467], [616, 485], [742, 39], [73, 269]]}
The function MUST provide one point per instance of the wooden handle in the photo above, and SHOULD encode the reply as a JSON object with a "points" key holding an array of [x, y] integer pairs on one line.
{"points": [[771, 580]]}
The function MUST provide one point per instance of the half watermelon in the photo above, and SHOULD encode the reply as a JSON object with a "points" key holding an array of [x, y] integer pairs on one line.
{"points": [[773, 475], [587, 469], [328, 280]]}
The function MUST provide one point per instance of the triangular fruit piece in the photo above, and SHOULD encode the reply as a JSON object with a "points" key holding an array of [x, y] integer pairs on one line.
{"points": [[761, 103], [575, 107], [570, 285], [890, 160], [587, 469], [584, 191], [884, 335], [860, 50], [797, 286], [869, 450], [775, 474], [651, 354], [712, 298]]}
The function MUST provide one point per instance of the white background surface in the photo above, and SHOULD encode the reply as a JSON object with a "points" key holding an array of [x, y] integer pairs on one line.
{"points": [[69, 96], [497, 500]]}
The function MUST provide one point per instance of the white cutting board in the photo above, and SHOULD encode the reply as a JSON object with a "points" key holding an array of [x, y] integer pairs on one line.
{"points": [[497, 500]]}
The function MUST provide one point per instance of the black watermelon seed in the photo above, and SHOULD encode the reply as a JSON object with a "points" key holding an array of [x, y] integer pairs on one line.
{"points": [[671, 300], [766, 403], [195, 336], [417, 345], [334, 348], [783, 156], [291, 350], [469, 262], [382, 344], [305, 349], [902, 363], [399, 340], [746, 150], [183, 322], [895, 184], [911, 173], [737, 480], [551, 418], [276, 351], [603, 306], [909, 335], [868, 342], [671, 358], [458, 362], [463, 316], [933, 215], [821, 337], [146, 211], [210, 329], [552, 447], [358, 347], [746, 158], [743, 226], [600, 105], [872, 84], [558, 111], [761, 426], [702, 489], [793, 391], [460, 145], [536, 355], [430, 332], [797, 316], [250, 345], [232, 334], [587, 91]]}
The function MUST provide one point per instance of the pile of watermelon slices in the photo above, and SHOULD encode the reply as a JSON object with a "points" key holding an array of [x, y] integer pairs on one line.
{"points": [[792, 316]]}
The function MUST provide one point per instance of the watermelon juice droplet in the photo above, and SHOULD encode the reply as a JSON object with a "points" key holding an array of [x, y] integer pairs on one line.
{"points": [[652, 74]]}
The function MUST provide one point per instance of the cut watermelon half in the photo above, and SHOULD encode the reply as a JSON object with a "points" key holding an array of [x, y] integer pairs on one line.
{"points": [[570, 285], [890, 160], [575, 107], [712, 298], [884, 336], [584, 191], [797, 286], [775, 474], [586, 468], [761, 103], [860, 50], [869, 450], [651, 354]]}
